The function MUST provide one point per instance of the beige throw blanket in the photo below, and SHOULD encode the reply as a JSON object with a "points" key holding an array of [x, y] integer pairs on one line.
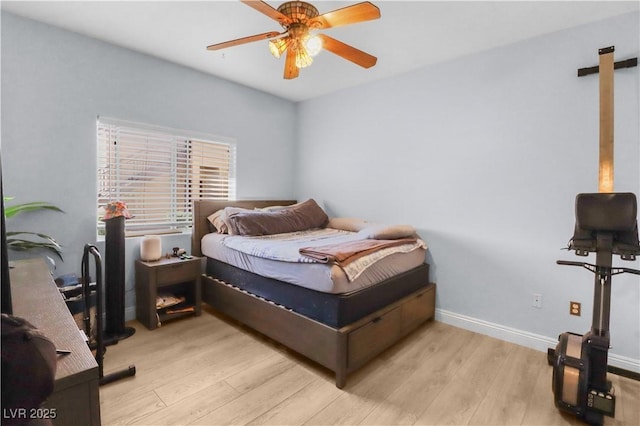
{"points": [[344, 253]]}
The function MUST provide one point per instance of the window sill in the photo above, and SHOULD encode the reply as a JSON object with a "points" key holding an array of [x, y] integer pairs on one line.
{"points": [[142, 234]]}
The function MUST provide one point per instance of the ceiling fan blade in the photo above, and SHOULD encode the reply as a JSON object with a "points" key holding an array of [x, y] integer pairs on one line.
{"points": [[265, 9], [360, 12], [349, 53], [243, 40], [291, 71]]}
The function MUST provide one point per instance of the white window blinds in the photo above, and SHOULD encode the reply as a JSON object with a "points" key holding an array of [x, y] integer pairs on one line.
{"points": [[158, 172]]}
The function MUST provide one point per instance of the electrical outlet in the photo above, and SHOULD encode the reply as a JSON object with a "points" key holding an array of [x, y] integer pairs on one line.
{"points": [[537, 300], [575, 308]]}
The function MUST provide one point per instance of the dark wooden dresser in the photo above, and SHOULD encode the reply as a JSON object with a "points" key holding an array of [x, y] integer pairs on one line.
{"points": [[76, 398]]}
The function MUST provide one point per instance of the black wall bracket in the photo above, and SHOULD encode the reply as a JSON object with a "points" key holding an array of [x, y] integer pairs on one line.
{"points": [[627, 63]]}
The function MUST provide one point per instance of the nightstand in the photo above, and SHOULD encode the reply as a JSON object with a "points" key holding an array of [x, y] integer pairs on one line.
{"points": [[174, 277]]}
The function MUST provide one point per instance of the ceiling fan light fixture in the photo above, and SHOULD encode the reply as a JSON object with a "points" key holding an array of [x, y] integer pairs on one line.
{"points": [[298, 11], [277, 47], [303, 59], [300, 20], [313, 45]]}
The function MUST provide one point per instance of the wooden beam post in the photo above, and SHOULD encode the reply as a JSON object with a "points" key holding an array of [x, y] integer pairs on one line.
{"points": [[605, 175]]}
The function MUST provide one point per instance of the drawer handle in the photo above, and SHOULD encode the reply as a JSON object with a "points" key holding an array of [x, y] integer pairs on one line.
{"points": [[420, 295], [175, 266], [376, 319]]}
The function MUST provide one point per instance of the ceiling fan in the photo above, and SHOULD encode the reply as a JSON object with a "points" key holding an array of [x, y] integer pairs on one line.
{"points": [[300, 21]]}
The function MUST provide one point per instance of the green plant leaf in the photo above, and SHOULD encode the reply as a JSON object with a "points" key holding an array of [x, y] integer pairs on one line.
{"points": [[21, 244], [10, 211], [50, 240]]}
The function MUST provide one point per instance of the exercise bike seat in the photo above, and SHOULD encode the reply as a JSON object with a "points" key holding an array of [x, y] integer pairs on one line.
{"points": [[606, 213]]}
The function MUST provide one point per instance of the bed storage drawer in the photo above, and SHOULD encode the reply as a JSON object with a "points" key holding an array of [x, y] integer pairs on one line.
{"points": [[373, 337], [417, 309]]}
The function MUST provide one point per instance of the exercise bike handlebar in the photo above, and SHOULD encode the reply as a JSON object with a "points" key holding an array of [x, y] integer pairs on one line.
{"points": [[594, 268]]}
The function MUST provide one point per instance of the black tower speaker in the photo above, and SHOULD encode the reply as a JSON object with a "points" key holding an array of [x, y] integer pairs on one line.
{"points": [[115, 279]]}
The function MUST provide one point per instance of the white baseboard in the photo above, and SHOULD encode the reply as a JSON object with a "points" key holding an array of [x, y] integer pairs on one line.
{"points": [[520, 337]]}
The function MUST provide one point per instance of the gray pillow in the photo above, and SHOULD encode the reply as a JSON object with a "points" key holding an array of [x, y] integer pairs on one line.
{"points": [[300, 217], [217, 221]]}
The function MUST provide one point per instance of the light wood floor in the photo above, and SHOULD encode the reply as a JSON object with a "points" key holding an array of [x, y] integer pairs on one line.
{"points": [[208, 370]]}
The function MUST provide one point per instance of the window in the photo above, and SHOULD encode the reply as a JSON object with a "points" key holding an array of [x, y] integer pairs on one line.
{"points": [[158, 172]]}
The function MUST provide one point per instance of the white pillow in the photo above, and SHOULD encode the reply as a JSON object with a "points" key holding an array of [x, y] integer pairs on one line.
{"points": [[217, 219], [348, 223], [388, 232]]}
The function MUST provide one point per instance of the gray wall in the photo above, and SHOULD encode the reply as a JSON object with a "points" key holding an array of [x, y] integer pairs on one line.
{"points": [[484, 155], [55, 83]]}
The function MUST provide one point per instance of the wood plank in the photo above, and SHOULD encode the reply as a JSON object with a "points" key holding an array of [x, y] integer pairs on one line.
{"points": [[135, 407], [371, 386], [260, 399], [540, 408], [364, 392], [506, 400], [437, 375], [179, 373], [466, 389], [191, 409], [296, 409], [167, 342], [191, 384], [605, 175], [627, 406], [433, 367], [258, 373]]}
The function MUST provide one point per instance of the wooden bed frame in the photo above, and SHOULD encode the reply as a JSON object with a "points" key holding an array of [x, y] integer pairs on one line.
{"points": [[342, 350]]}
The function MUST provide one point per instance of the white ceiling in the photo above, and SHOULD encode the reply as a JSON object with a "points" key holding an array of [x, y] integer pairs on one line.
{"points": [[409, 35]]}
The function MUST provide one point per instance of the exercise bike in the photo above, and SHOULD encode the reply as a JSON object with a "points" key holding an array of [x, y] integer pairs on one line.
{"points": [[606, 224]]}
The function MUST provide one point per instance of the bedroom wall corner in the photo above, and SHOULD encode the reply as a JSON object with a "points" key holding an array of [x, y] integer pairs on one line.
{"points": [[485, 155], [54, 85]]}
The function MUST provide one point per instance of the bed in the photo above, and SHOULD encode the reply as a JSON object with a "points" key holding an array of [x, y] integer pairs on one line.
{"points": [[339, 328]]}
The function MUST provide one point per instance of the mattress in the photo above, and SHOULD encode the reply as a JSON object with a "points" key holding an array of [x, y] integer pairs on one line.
{"points": [[320, 277], [334, 310]]}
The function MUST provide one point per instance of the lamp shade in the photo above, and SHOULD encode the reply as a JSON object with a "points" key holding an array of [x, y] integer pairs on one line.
{"points": [[303, 59], [313, 45], [277, 47]]}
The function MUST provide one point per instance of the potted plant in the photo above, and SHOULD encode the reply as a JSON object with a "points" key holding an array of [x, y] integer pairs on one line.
{"points": [[28, 241]]}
